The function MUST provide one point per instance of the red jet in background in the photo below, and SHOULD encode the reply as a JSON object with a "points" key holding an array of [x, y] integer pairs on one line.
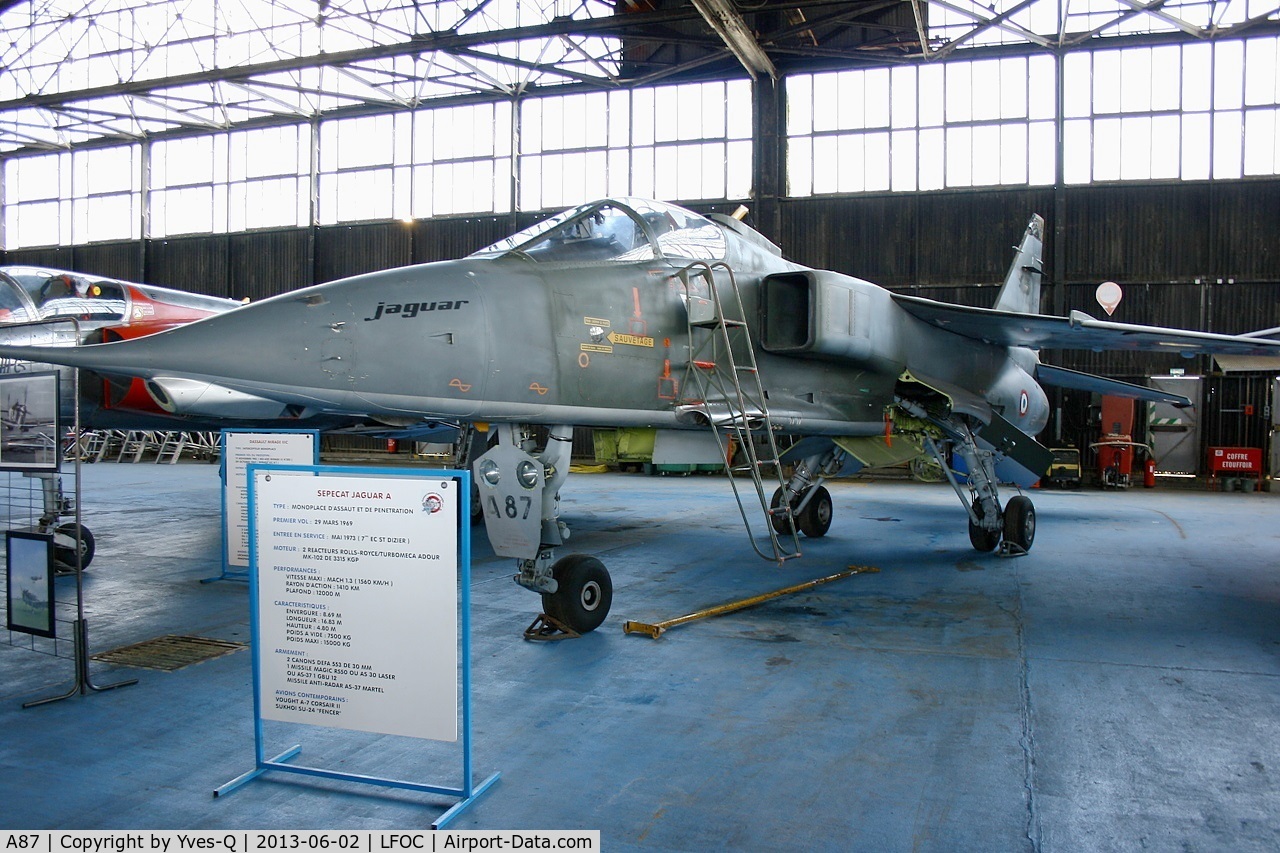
{"points": [[120, 309], [37, 302]]}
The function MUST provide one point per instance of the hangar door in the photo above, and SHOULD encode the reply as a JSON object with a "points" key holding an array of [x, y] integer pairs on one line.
{"points": [[1174, 432]]}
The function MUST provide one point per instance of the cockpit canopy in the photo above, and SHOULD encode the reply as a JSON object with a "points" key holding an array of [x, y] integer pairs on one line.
{"points": [[624, 230], [39, 293], [57, 293]]}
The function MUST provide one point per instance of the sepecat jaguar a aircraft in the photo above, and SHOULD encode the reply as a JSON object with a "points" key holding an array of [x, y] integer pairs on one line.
{"points": [[634, 313]]}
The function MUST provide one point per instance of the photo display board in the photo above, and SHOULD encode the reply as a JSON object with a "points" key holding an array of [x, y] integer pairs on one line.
{"points": [[30, 428], [240, 450], [29, 574], [357, 601]]}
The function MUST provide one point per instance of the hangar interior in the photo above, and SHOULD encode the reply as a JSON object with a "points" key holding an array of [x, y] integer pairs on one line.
{"points": [[905, 143], [247, 150]]}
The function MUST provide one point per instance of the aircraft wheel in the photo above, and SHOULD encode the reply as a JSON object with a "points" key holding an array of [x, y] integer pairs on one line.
{"points": [[981, 538], [779, 522], [477, 508], [63, 549], [585, 594], [1020, 522], [815, 521]]}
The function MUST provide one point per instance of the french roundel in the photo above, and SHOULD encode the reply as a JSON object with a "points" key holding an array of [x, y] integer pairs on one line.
{"points": [[1024, 403]]}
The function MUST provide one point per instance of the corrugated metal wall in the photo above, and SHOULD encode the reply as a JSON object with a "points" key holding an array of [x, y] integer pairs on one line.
{"points": [[911, 241], [199, 264], [439, 239], [263, 264]]}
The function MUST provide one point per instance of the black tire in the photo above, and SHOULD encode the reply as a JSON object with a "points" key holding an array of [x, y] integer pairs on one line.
{"points": [[477, 508], [585, 593], [67, 556], [779, 521], [1020, 522], [815, 520], [981, 538]]}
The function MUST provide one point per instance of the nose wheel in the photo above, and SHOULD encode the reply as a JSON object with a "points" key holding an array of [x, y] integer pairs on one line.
{"points": [[66, 542], [584, 593]]}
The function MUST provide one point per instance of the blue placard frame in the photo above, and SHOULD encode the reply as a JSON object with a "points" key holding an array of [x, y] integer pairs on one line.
{"points": [[226, 573], [468, 792]]}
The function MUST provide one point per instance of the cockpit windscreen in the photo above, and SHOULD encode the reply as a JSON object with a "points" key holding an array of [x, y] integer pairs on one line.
{"points": [[618, 231]]}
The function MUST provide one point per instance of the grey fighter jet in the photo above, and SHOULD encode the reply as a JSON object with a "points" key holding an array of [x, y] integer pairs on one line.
{"points": [[636, 313]]}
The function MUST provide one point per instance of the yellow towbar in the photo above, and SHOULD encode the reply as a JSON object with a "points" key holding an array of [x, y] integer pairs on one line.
{"points": [[657, 629]]}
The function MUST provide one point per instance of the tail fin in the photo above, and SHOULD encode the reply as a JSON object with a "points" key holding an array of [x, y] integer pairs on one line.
{"points": [[1021, 291]]}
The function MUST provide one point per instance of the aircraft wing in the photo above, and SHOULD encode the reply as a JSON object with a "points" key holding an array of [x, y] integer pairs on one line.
{"points": [[1061, 377], [1078, 331]]}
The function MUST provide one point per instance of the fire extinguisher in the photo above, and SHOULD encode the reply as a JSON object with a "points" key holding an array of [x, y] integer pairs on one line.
{"points": [[1149, 473]]}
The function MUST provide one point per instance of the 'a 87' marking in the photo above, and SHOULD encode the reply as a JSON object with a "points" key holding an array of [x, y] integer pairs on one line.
{"points": [[510, 508]]}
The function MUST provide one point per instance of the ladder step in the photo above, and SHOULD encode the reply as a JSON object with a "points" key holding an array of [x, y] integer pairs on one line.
{"points": [[759, 463], [740, 409]]}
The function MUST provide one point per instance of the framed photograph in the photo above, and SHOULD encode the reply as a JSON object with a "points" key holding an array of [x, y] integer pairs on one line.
{"points": [[30, 432], [29, 576]]}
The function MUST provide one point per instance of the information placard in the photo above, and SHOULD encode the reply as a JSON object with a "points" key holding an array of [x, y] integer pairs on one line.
{"points": [[239, 451], [357, 597]]}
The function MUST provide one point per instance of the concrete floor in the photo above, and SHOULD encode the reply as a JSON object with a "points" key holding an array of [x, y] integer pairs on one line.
{"points": [[1116, 689]]}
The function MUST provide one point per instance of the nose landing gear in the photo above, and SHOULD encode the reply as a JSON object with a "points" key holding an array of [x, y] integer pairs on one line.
{"points": [[519, 489]]}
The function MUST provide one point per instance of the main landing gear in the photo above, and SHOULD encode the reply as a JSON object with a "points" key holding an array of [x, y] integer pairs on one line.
{"points": [[1012, 529], [519, 490], [811, 508]]}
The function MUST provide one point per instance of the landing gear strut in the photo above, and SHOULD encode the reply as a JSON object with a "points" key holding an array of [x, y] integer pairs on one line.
{"points": [[519, 490], [811, 508], [1011, 529], [68, 536]]}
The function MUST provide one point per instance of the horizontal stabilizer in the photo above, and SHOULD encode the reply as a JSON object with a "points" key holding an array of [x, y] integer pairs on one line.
{"points": [[1078, 332], [1061, 377]]}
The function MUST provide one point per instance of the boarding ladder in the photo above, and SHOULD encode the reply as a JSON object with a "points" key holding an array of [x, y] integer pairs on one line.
{"points": [[727, 392]]}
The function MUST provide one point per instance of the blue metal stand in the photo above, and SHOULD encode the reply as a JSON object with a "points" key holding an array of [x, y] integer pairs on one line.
{"points": [[468, 792]]}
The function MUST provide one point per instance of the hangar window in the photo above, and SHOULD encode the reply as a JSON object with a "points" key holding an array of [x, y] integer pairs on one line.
{"points": [[462, 160], [189, 185], [85, 196], [690, 141], [1190, 112], [429, 162], [960, 124], [34, 214], [269, 178], [364, 170]]}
